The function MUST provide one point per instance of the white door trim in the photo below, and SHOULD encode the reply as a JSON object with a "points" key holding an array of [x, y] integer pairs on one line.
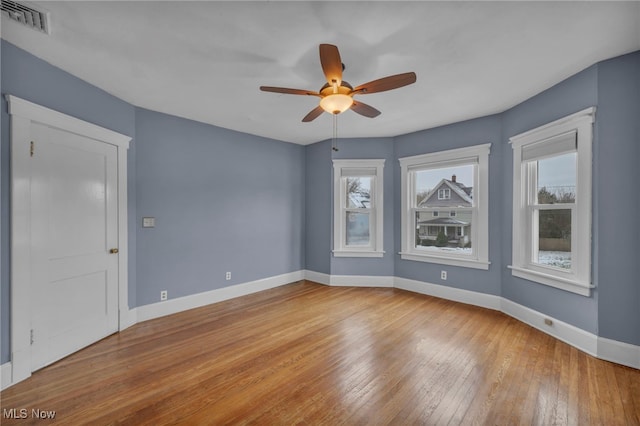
{"points": [[22, 113]]}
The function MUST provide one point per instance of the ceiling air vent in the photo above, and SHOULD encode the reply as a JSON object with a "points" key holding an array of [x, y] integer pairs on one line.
{"points": [[26, 15]]}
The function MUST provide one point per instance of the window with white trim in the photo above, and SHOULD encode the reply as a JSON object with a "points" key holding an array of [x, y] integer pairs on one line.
{"points": [[444, 194], [552, 203], [358, 208], [457, 181]]}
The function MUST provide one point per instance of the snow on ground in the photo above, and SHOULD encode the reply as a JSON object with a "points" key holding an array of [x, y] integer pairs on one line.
{"points": [[559, 259], [456, 250]]}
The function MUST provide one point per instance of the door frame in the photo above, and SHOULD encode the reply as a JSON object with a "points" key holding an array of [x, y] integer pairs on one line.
{"points": [[22, 114]]}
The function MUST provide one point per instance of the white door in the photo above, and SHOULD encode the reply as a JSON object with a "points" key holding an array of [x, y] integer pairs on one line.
{"points": [[74, 227]]}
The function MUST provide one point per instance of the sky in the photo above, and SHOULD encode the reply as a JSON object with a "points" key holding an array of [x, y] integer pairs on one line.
{"points": [[558, 171], [554, 172], [428, 179]]}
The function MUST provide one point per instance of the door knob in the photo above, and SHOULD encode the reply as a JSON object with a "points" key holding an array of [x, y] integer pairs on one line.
{"points": [[113, 251]]}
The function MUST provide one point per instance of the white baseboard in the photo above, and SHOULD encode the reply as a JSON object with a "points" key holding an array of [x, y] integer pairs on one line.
{"points": [[317, 277], [570, 334], [5, 375], [360, 281], [475, 298], [132, 319], [172, 306], [619, 352], [128, 318], [348, 280]]}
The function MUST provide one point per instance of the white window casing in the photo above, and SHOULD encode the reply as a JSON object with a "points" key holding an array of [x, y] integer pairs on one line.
{"points": [[478, 157], [342, 170], [571, 134], [444, 194]]}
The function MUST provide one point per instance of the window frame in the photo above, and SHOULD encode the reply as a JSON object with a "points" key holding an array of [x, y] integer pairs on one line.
{"points": [[478, 155], [578, 278], [446, 194], [343, 169]]}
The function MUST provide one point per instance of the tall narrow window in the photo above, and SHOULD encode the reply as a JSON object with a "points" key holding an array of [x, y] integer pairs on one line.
{"points": [[358, 208], [552, 203], [454, 182], [552, 208]]}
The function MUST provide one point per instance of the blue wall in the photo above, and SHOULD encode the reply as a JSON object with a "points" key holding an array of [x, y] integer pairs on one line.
{"points": [[228, 201], [318, 202], [223, 201], [618, 202]]}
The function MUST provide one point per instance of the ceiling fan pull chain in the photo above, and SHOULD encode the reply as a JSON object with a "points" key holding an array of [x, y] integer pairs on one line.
{"points": [[335, 132]]}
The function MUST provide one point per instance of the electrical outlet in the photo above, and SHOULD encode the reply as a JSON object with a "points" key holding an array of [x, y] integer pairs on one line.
{"points": [[228, 276], [443, 275], [163, 295]]}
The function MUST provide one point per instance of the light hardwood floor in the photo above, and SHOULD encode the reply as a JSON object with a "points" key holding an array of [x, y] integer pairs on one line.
{"points": [[310, 354]]}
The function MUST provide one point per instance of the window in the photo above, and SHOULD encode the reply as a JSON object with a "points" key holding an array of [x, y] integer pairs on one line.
{"points": [[552, 203], [456, 181], [358, 208], [444, 194]]}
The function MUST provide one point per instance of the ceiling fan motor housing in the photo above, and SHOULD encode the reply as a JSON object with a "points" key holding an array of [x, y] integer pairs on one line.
{"points": [[344, 89]]}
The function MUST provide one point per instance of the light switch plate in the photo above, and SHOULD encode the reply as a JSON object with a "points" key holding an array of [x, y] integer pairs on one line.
{"points": [[148, 222]]}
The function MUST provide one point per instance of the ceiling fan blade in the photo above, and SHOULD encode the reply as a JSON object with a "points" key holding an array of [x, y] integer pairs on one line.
{"points": [[315, 113], [364, 109], [331, 63], [289, 91], [386, 83]]}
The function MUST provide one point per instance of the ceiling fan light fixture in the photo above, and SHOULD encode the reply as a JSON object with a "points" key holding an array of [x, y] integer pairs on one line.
{"points": [[336, 103]]}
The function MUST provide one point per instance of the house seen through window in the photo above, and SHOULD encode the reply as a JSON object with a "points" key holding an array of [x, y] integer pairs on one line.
{"points": [[441, 190], [358, 202]]}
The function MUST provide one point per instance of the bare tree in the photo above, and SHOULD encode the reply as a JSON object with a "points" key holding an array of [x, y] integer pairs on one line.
{"points": [[354, 186], [420, 196], [554, 196]]}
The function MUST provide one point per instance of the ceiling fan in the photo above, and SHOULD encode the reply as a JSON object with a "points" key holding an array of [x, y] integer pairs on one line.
{"points": [[336, 96]]}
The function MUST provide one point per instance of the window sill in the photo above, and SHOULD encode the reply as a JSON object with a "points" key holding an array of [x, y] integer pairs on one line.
{"points": [[583, 289], [465, 263], [356, 253]]}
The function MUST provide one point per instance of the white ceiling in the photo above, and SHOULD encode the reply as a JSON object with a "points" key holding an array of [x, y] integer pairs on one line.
{"points": [[205, 60]]}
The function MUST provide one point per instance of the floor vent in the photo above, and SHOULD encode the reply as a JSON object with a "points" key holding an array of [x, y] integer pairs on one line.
{"points": [[26, 15]]}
